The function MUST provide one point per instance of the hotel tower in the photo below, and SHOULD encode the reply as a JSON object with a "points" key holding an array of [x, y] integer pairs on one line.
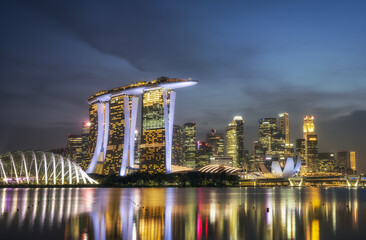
{"points": [[113, 119]]}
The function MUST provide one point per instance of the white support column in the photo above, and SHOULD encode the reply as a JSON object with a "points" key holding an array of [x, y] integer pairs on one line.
{"points": [[168, 121], [2, 168], [134, 107], [25, 167], [54, 168], [70, 171], [98, 145], [45, 167], [15, 169], [62, 169], [126, 110], [35, 165]]}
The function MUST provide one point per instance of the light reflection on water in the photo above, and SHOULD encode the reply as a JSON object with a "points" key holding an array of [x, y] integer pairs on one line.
{"points": [[182, 213]]}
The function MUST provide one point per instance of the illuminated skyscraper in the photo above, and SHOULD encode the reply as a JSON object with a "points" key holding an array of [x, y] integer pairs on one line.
{"points": [[74, 145], [267, 129], [113, 116], [111, 144], [157, 130], [235, 141], [284, 126], [203, 154], [189, 144], [85, 132], [177, 156], [216, 142], [307, 147]]}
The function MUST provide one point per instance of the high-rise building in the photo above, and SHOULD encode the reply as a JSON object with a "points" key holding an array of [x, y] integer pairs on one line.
{"points": [[85, 132], [113, 114], [216, 142], [189, 144], [157, 130], [203, 154], [307, 147], [284, 126], [346, 162], [267, 128], [326, 163], [235, 141], [74, 144], [177, 156]]}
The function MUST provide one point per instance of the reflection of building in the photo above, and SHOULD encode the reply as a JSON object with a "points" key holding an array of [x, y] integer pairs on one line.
{"points": [[75, 146], [189, 144], [235, 141], [113, 116], [177, 156], [307, 147], [346, 161]]}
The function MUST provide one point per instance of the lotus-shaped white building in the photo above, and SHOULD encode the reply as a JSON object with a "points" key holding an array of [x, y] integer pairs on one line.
{"points": [[290, 169], [40, 168]]}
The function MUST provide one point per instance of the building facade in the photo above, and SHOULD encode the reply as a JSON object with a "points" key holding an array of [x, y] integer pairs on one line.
{"points": [[346, 162], [234, 146], [177, 156], [189, 145], [113, 117], [307, 147]]}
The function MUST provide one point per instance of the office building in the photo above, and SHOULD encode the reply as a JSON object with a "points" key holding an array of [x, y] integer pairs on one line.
{"points": [[235, 141], [284, 126], [203, 154], [177, 156], [346, 162], [74, 144], [216, 142], [189, 145], [307, 147]]}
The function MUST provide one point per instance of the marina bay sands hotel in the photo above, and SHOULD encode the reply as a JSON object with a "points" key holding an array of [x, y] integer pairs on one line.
{"points": [[113, 118]]}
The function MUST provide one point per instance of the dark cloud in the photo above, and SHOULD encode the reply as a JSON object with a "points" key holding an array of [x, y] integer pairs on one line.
{"points": [[252, 58]]}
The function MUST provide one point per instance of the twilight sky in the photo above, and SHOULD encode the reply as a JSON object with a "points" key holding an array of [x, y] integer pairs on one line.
{"points": [[252, 58]]}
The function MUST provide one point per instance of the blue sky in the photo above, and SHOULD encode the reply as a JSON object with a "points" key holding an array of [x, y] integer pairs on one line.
{"points": [[252, 58]]}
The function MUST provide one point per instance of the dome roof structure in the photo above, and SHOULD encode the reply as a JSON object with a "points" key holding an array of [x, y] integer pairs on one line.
{"points": [[40, 168]]}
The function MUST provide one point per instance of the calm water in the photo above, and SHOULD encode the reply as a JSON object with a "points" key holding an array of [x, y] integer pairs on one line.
{"points": [[183, 213]]}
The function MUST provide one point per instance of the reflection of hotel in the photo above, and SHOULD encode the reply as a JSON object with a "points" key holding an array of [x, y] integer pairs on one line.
{"points": [[113, 117]]}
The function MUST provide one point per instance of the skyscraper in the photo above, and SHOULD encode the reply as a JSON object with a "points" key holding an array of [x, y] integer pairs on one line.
{"points": [[203, 154], [235, 141], [157, 130], [113, 114], [267, 128], [74, 144], [85, 132], [346, 162], [177, 156], [284, 126], [307, 147], [216, 142], [189, 144]]}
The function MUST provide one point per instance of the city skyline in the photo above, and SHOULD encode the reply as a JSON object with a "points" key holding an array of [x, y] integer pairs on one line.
{"points": [[252, 59]]}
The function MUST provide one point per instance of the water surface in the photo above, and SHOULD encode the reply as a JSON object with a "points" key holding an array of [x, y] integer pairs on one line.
{"points": [[183, 213]]}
